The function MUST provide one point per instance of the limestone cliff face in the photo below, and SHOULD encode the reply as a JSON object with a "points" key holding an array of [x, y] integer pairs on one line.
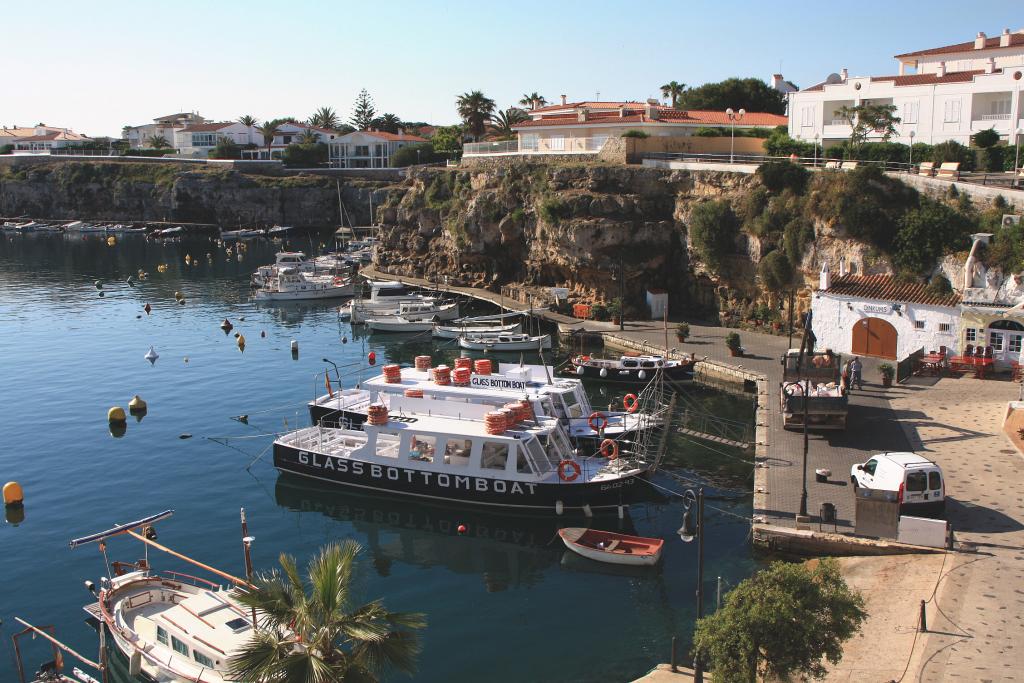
{"points": [[170, 192]]}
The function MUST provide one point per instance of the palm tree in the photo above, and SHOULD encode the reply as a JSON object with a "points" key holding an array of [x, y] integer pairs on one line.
{"points": [[308, 137], [309, 630], [504, 120], [268, 130], [672, 91], [388, 123], [475, 110], [157, 142], [248, 120], [533, 100], [324, 117]]}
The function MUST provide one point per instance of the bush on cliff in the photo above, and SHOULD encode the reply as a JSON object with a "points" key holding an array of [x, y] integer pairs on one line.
{"points": [[783, 175], [775, 271], [6, 149], [865, 203], [226, 149], [713, 230], [928, 233], [407, 156], [305, 155]]}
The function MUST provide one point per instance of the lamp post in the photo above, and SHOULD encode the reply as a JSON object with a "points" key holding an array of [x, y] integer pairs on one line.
{"points": [[733, 117], [912, 134], [687, 532], [620, 275], [1016, 157], [816, 138]]}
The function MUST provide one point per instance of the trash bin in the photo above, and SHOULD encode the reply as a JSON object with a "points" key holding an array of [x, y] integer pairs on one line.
{"points": [[827, 515]]}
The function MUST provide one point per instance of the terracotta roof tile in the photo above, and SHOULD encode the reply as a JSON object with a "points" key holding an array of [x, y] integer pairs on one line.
{"points": [[1016, 40], [206, 127], [888, 288], [666, 115], [929, 79], [393, 137]]}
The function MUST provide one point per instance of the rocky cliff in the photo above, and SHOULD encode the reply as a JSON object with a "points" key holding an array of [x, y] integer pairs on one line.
{"points": [[171, 192]]}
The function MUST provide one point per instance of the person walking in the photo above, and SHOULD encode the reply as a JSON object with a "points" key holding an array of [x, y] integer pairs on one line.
{"points": [[855, 373]]}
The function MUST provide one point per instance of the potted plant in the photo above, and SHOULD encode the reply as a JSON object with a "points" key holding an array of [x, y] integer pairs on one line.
{"points": [[887, 371], [732, 340], [599, 312], [615, 310], [682, 331]]}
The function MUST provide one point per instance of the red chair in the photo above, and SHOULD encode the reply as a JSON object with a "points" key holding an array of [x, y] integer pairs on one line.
{"points": [[988, 353], [969, 350]]}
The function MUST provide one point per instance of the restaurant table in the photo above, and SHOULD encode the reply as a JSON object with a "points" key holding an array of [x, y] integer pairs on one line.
{"points": [[932, 363], [980, 366]]}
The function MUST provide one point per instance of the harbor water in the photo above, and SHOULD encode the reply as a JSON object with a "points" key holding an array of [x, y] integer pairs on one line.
{"points": [[505, 601]]}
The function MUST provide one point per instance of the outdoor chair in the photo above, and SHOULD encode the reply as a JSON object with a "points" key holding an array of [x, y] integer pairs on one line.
{"points": [[943, 351], [950, 170], [969, 350], [989, 352], [927, 169]]}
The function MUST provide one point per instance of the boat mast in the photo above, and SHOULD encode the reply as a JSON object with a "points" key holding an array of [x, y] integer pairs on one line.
{"points": [[224, 575], [56, 643], [246, 547]]}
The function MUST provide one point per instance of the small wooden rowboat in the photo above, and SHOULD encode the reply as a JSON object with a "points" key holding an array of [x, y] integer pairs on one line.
{"points": [[608, 546]]}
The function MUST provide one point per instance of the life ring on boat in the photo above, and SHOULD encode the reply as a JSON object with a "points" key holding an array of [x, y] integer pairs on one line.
{"points": [[336, 281], [584, 358], [630, 403], [568, 470], [597, 421], [609, 449]]}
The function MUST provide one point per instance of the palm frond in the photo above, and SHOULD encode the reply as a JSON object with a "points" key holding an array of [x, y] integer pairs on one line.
{"points": [[271, 597], [307, 667], [398, 650], [259, 658]]}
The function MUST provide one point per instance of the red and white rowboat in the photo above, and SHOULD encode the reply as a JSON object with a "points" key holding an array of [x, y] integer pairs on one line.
{"points": [[608, 546]]}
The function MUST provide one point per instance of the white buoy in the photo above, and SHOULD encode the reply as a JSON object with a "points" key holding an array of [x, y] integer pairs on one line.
{"points": [[151, 355], [580, 370], [559, 507], [587, 511], [642, 374], [622, 512], [604, 372], [294, 346]]}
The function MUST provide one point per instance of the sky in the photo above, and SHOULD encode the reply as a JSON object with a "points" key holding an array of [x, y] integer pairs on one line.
{"points": [[95, 67]]}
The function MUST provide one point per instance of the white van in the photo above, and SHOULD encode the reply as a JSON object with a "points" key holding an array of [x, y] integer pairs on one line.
{"points": [[917, 481]]}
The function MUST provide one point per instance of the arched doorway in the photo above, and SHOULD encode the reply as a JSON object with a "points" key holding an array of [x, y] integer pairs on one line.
{"points": [[874, 337], [1005, 337]]}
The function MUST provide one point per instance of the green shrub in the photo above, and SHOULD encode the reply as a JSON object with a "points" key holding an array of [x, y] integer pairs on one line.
{"points": [[951, 151], [779, 144], [226, 148], [986, 138], [6, 149], [682, 331], [865, 202], [926, 234], [783, 175], [732, 340], [635, 134], [939, 286], [599, 312], [148, 152], [990, 159], [407, 155], [305, 155], [775, 271], [713, 230], [798, 233], [709, 132], [553, 209], [1006, 250]]}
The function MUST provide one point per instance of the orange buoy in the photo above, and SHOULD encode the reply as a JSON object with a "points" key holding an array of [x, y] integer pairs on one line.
{"points": [[610, 449], [13, 495]]}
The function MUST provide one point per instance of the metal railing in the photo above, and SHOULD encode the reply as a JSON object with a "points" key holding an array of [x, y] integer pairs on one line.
{"points": [[500, 147], [556, 145], [994, 117], [757, 159]]}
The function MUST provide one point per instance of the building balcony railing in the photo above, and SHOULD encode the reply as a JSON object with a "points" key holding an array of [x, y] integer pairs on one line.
{"points": [[839, 122], [562, 145], [993, 117]]}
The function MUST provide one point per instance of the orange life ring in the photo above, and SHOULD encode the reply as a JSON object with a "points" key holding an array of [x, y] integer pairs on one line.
{"points": [[630, 403], [336, 281], [568, 465], [584, 358], [596, 419], [609, 449]]}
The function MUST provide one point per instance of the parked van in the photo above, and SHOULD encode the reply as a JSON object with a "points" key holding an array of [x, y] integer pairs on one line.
{"points": [[916, 480]]}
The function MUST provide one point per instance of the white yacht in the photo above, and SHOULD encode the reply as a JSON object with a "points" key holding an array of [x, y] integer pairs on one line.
{"points": [[503, 341], [395, 298], [457, 329], [289, 284], [395, 323], [561, 398]]}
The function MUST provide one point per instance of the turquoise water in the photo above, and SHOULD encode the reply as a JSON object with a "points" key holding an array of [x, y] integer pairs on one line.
{"points": [[505, 602]]}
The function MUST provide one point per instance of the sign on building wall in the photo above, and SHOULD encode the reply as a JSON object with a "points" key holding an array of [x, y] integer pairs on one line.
{"points": [[875, 308]]}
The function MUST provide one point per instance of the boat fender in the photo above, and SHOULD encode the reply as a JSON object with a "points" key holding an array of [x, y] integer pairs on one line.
{"points": [[294, 346], [604, 372], [559, 507], [610, 449], [147, 308], [225, 325], [461, 529], [568, 470], [630, 402], [178, 296], [111, 241], [241, 342], [327, 381], [597, 421], [371, 358], [642, 374], [580, 370], [263, 333], [135, 664], [587, 511], [344, 340], [99, 285]]}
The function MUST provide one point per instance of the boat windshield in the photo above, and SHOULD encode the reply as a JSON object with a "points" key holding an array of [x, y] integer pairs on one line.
{"points": [[543, 452]]}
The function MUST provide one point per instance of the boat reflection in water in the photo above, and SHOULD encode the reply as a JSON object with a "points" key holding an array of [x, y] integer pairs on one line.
{"points": [[506, 549]]}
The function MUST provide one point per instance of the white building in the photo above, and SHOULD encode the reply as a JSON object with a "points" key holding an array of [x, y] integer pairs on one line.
{"points": [[196, 140], [878, 315], [953, 92], [289, 133], [368, 148], [40, 139], [164, 126]]}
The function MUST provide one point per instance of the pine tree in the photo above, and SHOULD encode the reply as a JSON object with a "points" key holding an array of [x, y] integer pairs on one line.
{"points": [[363, 111]]}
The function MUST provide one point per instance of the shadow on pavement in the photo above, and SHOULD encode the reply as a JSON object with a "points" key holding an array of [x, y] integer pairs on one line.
{"points": [[969, 517]]}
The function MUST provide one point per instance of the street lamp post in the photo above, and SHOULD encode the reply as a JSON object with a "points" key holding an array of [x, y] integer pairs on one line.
{"points": [[733, 117], [687, 533], [1016, 158], [912, 134], [622, 296], [816, 138]]}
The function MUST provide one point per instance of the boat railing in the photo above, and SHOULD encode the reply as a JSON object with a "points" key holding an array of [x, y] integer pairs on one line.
{"points": [[189, 578]]}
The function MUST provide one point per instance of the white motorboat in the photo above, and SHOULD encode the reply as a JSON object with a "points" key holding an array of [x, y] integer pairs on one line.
{"points": [[279, 231], [171, 626], [481, 458], [394, 298], [485, 341], [288, 284], [561, 398], [121, 229], [241, 234], [80, 226], [176, 231], [47, 228], [454, 331], [399, 324], [295, 260], [20, 228]]}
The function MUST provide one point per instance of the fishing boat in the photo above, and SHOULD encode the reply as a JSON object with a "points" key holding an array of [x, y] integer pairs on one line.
{"points": [[389, 299], [80, 226], [289, 284], [241, 234], [279, 231], [563, 399], [176, 231], [399, 324], [631, 367], [454, 331], [477, 459], [170, 625], [608, 546], [19, 228], [485, 341]]}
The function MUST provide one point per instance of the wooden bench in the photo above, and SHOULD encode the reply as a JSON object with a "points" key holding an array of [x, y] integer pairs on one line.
{"points": [[832, 164], [949, 170], [849, 165], [927, 169]]}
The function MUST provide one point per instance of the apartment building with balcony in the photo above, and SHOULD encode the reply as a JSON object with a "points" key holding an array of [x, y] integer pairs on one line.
{"points": [[288, 133], [196, 140], [368, 148], [943, 93], [39, 139], [162, 127]]}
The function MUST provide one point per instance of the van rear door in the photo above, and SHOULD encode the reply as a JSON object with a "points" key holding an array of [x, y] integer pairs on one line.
{"points": [[935, 485], [915, 489]]}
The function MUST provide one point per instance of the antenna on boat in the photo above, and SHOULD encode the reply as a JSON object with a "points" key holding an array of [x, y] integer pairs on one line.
{"points": [[246, 548]]}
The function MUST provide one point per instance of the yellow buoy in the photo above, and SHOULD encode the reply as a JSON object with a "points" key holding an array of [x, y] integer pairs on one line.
{"points": [[188, 258], [116, 415], [111, 241], [179, 296], [136, 405], [241, 342], [13, 495]]}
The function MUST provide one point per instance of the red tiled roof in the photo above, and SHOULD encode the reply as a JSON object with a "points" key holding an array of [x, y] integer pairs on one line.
{"points": [[666, 115], [206, 127], [60, 135], [393, 137], [590, 104], [888, 288], [1016, 40], [930, 79]]}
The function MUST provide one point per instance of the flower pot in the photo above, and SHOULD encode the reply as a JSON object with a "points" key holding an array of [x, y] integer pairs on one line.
{"points": [[681, 338], [887, 380], [776, 326], [734, 352], [616, 320]]}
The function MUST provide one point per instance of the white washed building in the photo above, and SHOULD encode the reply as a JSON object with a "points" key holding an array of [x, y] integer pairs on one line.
{"points": [[198, 139], [289, 133], [164, 126], [943, 93], [878, 315], [368, 148]]}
